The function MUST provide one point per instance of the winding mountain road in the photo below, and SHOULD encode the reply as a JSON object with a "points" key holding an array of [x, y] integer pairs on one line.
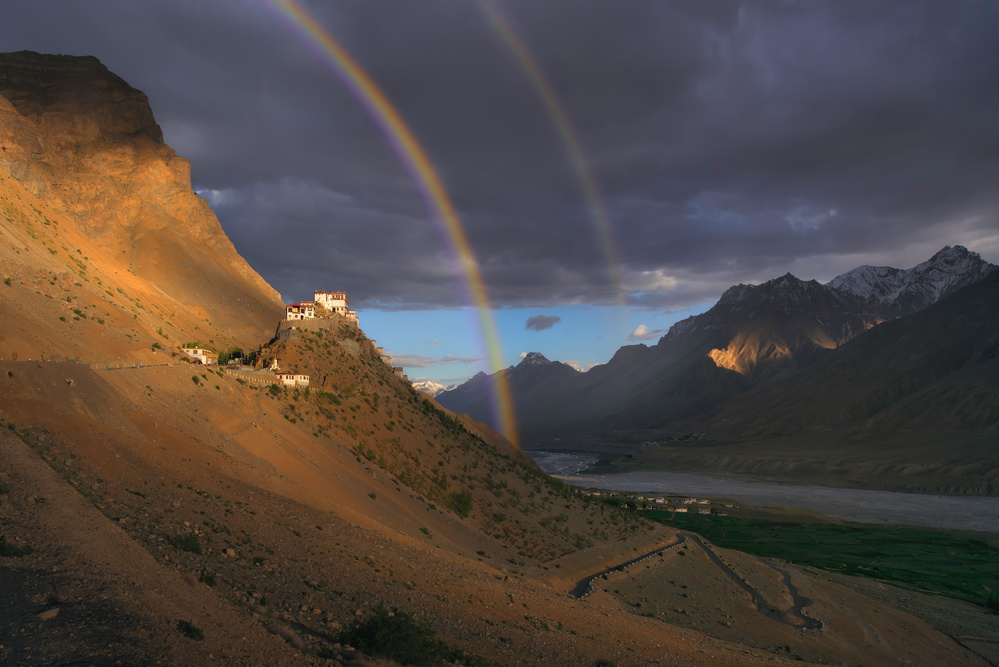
{"points": [[585, 586]]}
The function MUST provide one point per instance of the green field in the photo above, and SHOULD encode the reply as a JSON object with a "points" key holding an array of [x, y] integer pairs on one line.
{"points": [[922, 559]]}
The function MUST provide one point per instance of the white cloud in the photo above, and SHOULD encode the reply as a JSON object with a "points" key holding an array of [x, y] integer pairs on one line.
{"points": [[423, 361], [642, 332], [522, 355]]}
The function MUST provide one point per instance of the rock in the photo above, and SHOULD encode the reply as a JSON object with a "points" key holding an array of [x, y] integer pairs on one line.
{"points": [[49, 614], [231, 553]]}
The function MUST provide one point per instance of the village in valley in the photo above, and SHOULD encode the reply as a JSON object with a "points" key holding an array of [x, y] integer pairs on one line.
{"points": [[678, 504], [325, 311]]}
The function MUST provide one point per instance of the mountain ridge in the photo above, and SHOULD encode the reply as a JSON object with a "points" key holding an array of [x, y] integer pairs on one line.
{"points": [[754, 333], [899, 292]]}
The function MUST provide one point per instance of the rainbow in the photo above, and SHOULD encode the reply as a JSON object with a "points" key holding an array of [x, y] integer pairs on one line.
{"points": [[598, 211], [429, 183]]}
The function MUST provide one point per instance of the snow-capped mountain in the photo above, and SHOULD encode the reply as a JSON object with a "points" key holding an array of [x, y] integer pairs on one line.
{"points": [[900, 292], [431, 388]]}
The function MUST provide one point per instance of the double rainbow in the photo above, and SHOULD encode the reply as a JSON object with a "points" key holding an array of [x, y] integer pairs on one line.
{"points": [[425, 176], [598, 211]]}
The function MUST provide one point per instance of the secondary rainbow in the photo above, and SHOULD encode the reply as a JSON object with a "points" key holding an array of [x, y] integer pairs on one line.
{"points": [[598, 210], [422, 171]]}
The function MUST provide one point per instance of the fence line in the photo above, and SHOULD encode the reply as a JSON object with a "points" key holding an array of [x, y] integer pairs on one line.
{"points": [[254, 379]]}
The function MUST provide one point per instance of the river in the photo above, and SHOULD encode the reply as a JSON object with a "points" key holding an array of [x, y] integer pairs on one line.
{"points": [[979, 513]]}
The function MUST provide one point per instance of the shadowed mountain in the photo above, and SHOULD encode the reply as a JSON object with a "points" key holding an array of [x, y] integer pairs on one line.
{"points": [[935, 370], [751, 337], [751, 334], [536, 383]]}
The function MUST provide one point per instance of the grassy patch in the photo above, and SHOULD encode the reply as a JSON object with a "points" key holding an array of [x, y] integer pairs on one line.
{"points": [[922, 559]]}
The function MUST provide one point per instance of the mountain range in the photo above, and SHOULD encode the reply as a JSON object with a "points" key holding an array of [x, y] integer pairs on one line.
{"points": [[753, 336]]}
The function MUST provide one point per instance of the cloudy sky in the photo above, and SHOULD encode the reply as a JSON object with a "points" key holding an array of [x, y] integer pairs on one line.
{"points": [[724, 142]]}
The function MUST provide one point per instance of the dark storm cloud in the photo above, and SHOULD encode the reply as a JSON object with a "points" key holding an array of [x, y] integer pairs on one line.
{"points": [[541, 322], [730, 142]]}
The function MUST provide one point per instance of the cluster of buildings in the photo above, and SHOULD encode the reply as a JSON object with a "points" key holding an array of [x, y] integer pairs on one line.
{"points": [[669, 503], [323, 304], [202, 355]]}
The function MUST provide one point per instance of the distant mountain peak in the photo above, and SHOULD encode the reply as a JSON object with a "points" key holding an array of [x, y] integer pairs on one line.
{"points": [[534, 359], [431, 388], [898, 292]]}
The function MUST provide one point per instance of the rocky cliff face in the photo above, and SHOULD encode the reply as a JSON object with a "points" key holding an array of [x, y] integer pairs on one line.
{"points": [[85, 173]]}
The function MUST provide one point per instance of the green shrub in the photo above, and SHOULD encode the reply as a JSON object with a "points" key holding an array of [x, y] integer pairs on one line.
{"points": [[401, 638], [10, 551], [188, 542], [190, 631], [461, 502]]}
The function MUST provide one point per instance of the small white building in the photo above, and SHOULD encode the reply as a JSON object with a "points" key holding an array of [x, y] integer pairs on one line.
{"points": [[351, 316], [334, 302], [202, 355], [292, 379], [304, 310]]}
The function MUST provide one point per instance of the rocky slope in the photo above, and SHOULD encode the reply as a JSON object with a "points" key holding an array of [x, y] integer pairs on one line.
{"points": [[97, 213]]}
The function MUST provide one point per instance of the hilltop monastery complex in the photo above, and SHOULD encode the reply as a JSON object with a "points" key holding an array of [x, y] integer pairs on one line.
{"points": [[331, 302], [324, 306]]}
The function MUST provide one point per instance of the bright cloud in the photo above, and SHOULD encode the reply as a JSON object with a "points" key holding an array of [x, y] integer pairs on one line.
{"points": [[642, 332]]}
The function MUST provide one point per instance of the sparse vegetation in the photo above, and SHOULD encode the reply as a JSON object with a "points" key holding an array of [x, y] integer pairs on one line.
{"points": [[11, 551], [187, 542], [461, 502], [190, 631], [398, 636]]}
